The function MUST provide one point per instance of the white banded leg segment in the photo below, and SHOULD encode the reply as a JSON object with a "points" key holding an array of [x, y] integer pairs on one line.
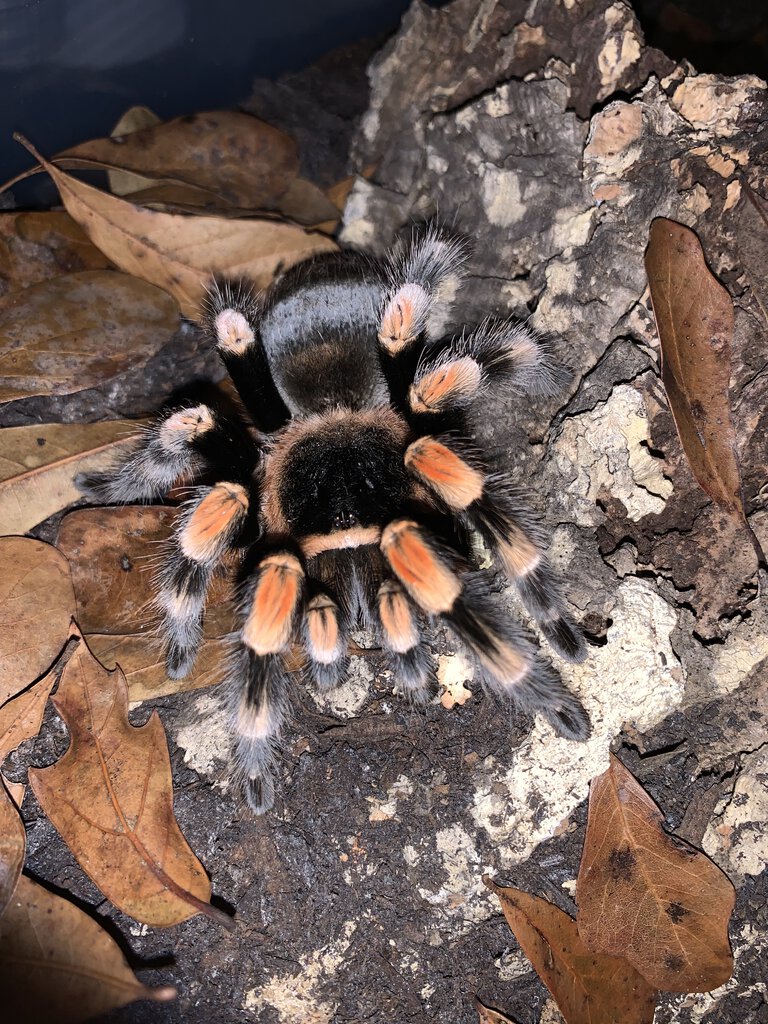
{"points": [[402, 638], [165, 453], [508, 663], [259, 692], [325, 640]]}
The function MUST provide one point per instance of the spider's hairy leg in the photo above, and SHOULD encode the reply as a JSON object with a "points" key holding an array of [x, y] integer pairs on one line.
{"points": [[497, 357], [259, 682], [325, 641], [422, 274], [181, 445], [401, 635], [490, 503], [508, 662], [208, 528], [231, 313]]}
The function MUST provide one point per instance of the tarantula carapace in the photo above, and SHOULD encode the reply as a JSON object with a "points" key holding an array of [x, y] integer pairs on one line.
{"points": [[354, 502]]}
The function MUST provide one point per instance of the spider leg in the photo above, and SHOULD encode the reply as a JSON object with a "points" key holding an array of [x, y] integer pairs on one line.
{"points": [[209, 527], [231, 316], [422, 277], [508, 662], [490, 504], [326, 637], [259, 684], [497, 357], [401, 636], [180, 445]]}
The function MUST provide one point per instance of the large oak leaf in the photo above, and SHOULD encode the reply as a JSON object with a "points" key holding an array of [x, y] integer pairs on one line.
{"points": [[110, 796], [648, 896], [588, 987], [57, 964]]}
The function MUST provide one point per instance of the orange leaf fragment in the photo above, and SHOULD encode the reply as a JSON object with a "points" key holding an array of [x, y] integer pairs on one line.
{"points": [[649, 896], [57, 964], [694, 318], [110, 797], [589, 988]]}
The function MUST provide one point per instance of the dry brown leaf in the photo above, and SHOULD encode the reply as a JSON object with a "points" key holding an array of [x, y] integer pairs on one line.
{"points": [[37, 603], [134, 119], [78, 331], [110, 797], [37, 246], [694, 318], [589, 988], [20, 719], [649, 896], [307, 204], [180, 253], [231, 154], [144, 666], [38, 465], [486, 1015], [57, 964], [113, 554], [13, 844]]}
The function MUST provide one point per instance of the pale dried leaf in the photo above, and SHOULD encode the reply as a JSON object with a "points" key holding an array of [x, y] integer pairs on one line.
{"points": [[57, 964], [230, 154], [144, 666], [79, 331], [20, 719], [648, 896], [37, 246], [110, 797], [181, 253], [486, 1015], [133, 120], [38, 465], [37, 602], [13, 844]]}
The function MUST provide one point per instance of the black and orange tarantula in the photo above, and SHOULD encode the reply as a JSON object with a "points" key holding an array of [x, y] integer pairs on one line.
{"points": [[354, 503]]}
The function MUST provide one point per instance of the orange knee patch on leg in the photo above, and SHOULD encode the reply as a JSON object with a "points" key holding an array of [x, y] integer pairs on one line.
{"points": [[213, 522], [323, 634], [457, 483], [428, 580], [397, 619], [269, 624], [404, 317], [518, 553], [449, 383]]}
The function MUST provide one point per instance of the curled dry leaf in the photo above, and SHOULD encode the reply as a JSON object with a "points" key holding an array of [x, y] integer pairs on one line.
{"points": [[180, 253], [694, 318], [113, 554], [245, 161], [110, 797], [37, 602], [648, 896], [485, 1015], [20, 719], [144, 666], [57, 964], [589, 988], [78, 331], [38, 465], [133, 120]]}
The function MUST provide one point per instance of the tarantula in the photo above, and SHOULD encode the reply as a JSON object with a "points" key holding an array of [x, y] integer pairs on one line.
{"points": [[353, 502]]}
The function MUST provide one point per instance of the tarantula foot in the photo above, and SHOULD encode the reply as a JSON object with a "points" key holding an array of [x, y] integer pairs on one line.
{"points": [[260, 792], [569, 720]]}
